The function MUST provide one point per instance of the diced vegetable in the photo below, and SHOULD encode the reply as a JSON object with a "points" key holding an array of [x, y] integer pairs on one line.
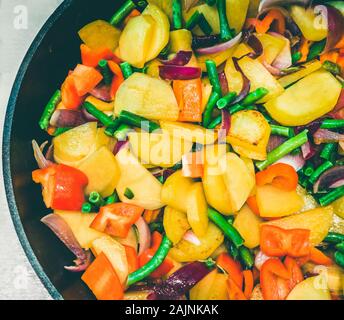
{"points": [[100, 104], [85, 79], [249, 134], [180, 40], [248, 225], [338, 207], [318, 221], [185, 251], [232, 268], [236, 13], [175, 190], [300, 104], [147, 97], [312, 288], [175, 224], [135, 177], [272, 46]]}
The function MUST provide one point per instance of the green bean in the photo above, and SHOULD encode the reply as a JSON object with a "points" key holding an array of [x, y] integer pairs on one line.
{"points": [[319, 171], [332, 67], [96, 199], [229, 231], [177, 14], [332, 124], [122, 13], [226, 100], [303, 181], [204, 25], [308, 170], [225, 31], [316, 49], [331, 196], [328, 152], [283, 150], [217, 121], [129, 194], [246, 257], [49, 110], [112, 199], [334, 238], [101, 116], [105, 71], [122, 132], [340, 247], [127, 70], [152, 264], [87, 208], [208, 112], [193, 21], [281, 131], [239, 107], [134, 120], [213, 76], [59, 131], [254, 97], [339, 258], [296, 57]]}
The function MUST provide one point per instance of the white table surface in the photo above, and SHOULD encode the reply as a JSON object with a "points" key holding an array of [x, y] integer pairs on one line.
{"points": [[17, 278]]}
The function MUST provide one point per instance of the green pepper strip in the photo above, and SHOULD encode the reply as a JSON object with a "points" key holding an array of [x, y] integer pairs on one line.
{"points": [[152, 264], [246, 257], [127, 70], [193, 21], [122, 13], [334, 238], [204, 25], [229, 231], [281, 131], [339, 258], [105, 71], [328, 152], [283, 150], [225, 31], [226, 100], [101, 116], [319, 171], [332, 196], [134, 120], [213, 76], [177, 14], [332, 124], [208, 112], [49, 110]]}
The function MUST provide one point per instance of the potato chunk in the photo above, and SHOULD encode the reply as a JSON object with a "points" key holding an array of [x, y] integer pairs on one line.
{"points": [[175, 224]]}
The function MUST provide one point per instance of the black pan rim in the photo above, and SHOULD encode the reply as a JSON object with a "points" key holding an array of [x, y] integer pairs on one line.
{"points": [[6, 151]]}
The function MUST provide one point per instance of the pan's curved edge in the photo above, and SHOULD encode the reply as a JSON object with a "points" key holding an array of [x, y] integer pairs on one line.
{"points": [[6, 145]]}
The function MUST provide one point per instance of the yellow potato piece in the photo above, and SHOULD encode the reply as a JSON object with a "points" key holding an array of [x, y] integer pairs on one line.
{"points": [[115, 252], [237, 179], [338, 207], [146, 188], [175, 190], [102, 172], [313, 27], [147, 97], [175, 224], [190, 132], [249, 134], [307, 100], [248, 225], [313, 288], [165, 5], [218, 58], [161, 31], [100, 104], [99, 34], [180, 40], [158, 149], [318, 221], [270, 198], [75, 144], [201, 290], [186, 251], [197, 210], [236, 13], [135, 40], [272, 46]]}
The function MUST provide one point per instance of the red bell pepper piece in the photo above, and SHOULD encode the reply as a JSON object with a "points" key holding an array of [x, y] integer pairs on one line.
{"points": [[118, 78], [102, 279], [70, 98], [91, 57], [253, 205], [133, 261], [117, 219], [278, 242], [296, 275], [85, 79], [232, 267], [63, 186], [280, 175], [147, 255], [234, 292]]}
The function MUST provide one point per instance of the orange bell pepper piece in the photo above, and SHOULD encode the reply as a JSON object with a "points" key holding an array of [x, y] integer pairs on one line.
{"points": [[63, 187], [132, 14], [91, 57], [85, 79], [304, 49], [193, 166], [318, 257], [102, 279], [117, 219], [189, 97], [151, 215], [331, 56], [133, 261], [147, 255], [232, 267], [249, 283], [70, 98], [118, 78], [273, 15], [280, 175], [253, 205]]}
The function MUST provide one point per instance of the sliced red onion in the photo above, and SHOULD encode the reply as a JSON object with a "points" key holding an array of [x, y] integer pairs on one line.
{"points": [[274, 142], [223, 83], [246, 82], [102, 92], [296, 161], [119, 146], [337, 113], [144, 235], [41, 160], [327, 136], [220, 47], [225, 125], [179, 73], [311, 127], [337, 184], [192, 238], [65, 234], [67, 118], [205, 41], [308, 151], [180, 59], [332, 177], [256, 45], [180, 282], [284, 59], [268, 4], [273, 70], [49, 155]]}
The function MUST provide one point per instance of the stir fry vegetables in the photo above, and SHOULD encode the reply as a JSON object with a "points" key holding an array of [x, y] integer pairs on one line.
{"points": [[197, 152]]}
